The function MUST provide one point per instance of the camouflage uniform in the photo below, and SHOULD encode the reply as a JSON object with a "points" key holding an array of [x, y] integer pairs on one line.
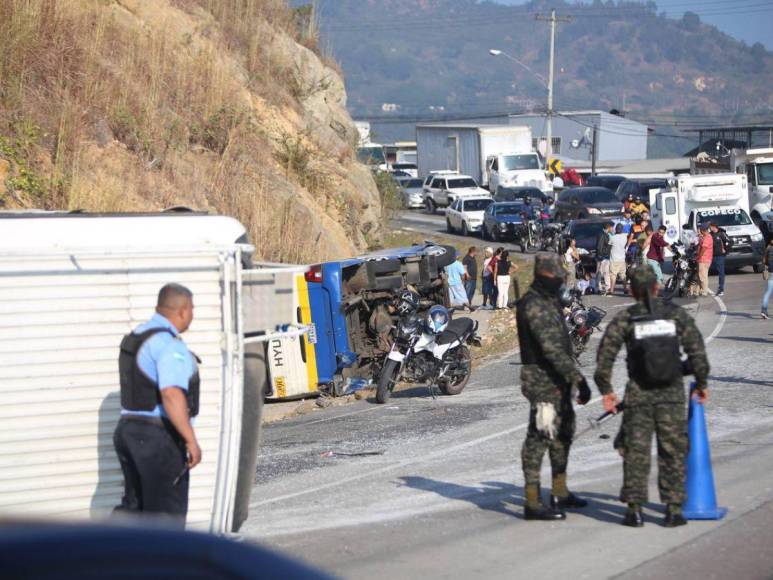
{"points": [[547, 378], [661, 410]]}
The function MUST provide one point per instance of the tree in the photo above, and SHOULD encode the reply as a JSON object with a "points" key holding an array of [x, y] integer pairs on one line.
{"points": [[691, 21]]}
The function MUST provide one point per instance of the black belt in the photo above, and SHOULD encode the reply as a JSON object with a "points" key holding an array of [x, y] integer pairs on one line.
{"points": [[146, 419]]}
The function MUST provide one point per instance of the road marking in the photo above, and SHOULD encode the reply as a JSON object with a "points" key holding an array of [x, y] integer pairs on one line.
{"points": [[341, 416], [447, 450]]}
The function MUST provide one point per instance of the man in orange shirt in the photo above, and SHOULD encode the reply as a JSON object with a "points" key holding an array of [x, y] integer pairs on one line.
{"points": [[705, 256]]}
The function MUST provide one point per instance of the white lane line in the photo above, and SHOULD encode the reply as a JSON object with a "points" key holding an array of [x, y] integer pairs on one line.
{"points": [[447, 450], [722, 319]]}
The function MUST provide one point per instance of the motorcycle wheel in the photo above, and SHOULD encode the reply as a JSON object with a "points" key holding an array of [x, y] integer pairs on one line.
{"points": [[458, 386], [531, 246], [386, 381]]}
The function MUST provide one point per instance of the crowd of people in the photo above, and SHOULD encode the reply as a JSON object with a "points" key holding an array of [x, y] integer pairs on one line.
{"points": [[496, 277]]}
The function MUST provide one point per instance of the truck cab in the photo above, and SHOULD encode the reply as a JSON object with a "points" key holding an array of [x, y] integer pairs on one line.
{"points": [[517, 170], [757, 165], [719, 198]]}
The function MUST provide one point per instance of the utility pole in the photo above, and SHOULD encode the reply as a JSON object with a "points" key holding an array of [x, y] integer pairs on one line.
{"points": [[593, 151], [553, 19]]}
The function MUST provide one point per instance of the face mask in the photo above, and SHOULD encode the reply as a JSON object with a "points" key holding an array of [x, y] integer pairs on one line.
{"points": [[550, 285]]}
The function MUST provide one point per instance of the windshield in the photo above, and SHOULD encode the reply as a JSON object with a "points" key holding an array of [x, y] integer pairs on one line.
{"points": [[403, 166], [512, 162], [370, 155], [725, 217], [508, 209], [765, 174], [598, 196], [460, 183], [587, 230], [476, 204], [412, 183]]}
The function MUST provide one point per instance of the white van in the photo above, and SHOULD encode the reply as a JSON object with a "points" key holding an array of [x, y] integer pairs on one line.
{"points": [[71, 285], [718, 197]]}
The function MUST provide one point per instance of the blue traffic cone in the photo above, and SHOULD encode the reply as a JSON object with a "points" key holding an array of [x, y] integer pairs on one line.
{"points": [[701, 501]]}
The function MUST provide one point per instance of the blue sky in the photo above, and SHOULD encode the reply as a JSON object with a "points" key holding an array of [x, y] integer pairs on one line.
{"points": [[747, 20]]}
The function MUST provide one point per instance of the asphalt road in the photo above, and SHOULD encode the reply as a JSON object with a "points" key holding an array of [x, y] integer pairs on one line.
{"points": [[440, 496]]}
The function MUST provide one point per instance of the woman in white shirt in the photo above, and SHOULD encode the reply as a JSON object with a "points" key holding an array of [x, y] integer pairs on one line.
{"points": [[571, 258]]}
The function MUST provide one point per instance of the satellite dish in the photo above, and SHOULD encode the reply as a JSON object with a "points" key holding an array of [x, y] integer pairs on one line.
{"points": [[575, 143]]}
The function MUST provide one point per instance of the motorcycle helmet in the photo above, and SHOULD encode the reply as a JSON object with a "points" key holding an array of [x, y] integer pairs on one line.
{"points": [[407, 302], [437, 319]]}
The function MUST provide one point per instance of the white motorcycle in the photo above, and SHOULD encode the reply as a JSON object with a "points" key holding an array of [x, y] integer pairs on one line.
{"points": [[431, 349]]}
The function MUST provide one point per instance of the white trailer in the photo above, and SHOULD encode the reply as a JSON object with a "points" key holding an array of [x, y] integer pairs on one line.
{"points": [[71, 285], [717, 197]]}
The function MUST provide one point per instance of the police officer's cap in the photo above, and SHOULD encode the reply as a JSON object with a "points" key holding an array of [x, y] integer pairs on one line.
{"points": [[643, 278], [548, 263]]}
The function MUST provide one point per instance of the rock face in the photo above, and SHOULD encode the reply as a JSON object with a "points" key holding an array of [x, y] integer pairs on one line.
{"points": [[214, 106]]}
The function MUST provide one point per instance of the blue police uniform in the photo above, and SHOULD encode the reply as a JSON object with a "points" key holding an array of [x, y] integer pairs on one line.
{"points": [[152, 454]]}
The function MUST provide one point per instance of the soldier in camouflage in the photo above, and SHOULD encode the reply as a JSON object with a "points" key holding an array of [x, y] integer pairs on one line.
{"points": [[655, 400], [548, 378]]}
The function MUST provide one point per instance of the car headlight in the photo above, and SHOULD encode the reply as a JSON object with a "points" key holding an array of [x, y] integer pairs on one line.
{"points": [[502, 226], [593, 210], [758, 237]]}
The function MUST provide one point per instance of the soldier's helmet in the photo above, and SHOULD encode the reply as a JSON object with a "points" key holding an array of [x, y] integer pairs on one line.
{"points": [[643, 278], [548, 263]]}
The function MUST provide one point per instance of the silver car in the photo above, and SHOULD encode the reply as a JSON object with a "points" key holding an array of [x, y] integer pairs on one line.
{"points": [[411, 192]]}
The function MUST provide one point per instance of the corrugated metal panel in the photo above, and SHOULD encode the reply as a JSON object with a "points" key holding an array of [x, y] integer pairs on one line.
{"points": [[438, 148], [61, 321]]}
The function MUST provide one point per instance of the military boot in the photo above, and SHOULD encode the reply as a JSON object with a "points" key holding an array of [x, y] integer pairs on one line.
{"points": [[674, 516], [534, 509], [562, 498], [633, 517]]}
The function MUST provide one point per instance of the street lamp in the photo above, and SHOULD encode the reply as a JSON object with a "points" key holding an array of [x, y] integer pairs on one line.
{"points": [[547, 84]]}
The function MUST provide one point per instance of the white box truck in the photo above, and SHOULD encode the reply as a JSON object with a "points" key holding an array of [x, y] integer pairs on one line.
{"points": [[718, 197], [71, 285]]}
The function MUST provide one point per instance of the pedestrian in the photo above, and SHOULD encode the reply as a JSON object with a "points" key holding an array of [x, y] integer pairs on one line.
{"points": [[705, 257], [767, 263], [494, 265], [653, 332], [628, 202], [571, 259], [470, 273], [487, 278], [626, 222], [617, 264], [720, 250], [457, 295], [504, 269], [638, 207], [549, 377], [656, 254], [154, 440], [603, 249]]}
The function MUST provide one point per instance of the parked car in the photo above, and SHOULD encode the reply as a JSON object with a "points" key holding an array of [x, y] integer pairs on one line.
{"points": [[500, 220], [640, 187], [433, 174], [586, 232], [443, 190], [609, 181], [411, 192], [583, 202], [466, 214], [519, 193], [399, 174], [409, 168]]}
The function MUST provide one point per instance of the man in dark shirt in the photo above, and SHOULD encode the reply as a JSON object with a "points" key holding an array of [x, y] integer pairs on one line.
{"points": [[721, 247], [470, 272]]}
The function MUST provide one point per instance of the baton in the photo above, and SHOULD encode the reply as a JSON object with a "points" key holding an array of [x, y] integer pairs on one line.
{"points": [[594, 424]]}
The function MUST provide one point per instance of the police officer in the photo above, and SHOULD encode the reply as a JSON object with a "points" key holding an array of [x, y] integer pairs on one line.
{"points": [[154, 439], [548, 377], [653, 333]]}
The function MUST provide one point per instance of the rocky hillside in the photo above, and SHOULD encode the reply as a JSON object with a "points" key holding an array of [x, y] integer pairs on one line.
{"points": [[218, 105]]}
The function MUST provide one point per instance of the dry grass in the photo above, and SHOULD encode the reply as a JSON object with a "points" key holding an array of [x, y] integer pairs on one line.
{"points": [[140, 104]]}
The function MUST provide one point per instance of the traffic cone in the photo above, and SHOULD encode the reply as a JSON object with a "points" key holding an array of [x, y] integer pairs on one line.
{"points": [[701, 501]]}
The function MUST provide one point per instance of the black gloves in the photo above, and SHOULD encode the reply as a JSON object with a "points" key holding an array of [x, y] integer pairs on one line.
{"points": [[583, 391]]}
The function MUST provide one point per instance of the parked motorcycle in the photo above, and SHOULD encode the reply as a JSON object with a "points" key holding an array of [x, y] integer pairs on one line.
{"points": [[583, 321], [685, 264], [551, 237], [431, 349], [529, 236]]}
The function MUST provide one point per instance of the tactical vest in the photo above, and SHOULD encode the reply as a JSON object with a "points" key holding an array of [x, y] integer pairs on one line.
{"points": [[138, 391], [654, 359], [531, 353]]}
